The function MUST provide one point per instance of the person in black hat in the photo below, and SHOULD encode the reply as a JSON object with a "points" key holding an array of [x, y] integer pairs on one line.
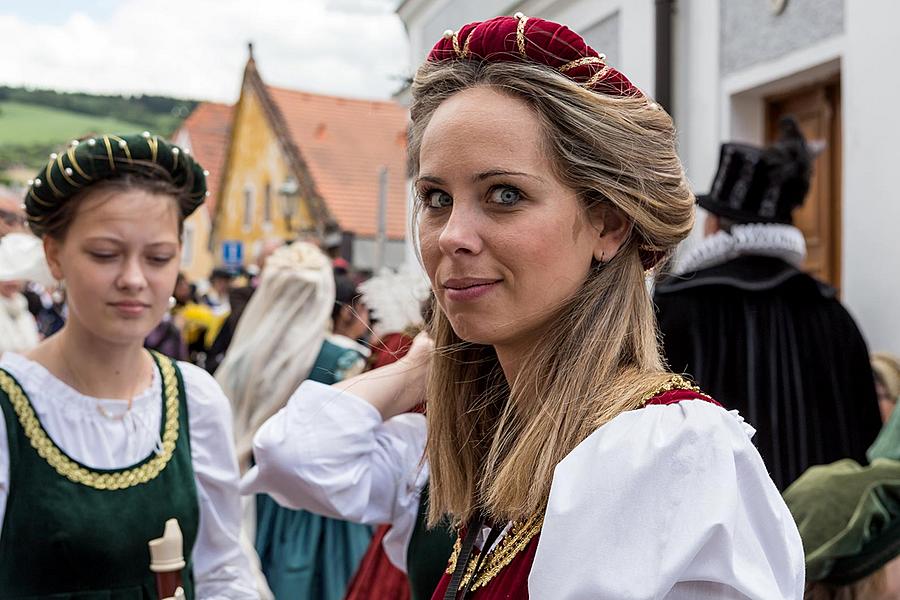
{"points": [[219, 287], [755, 331]]}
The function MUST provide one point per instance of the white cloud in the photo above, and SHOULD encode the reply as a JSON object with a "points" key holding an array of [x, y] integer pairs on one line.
{"points": [[197, 48]]}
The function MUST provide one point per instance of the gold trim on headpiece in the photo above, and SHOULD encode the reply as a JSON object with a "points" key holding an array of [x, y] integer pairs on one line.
{"points": [[38, 200], [65, 175], [597, 76], [71, 154], [580, 62], [153, 144], [465, 50], [455, 40], [49, 179], [123, 145], [520, 33], [109, 154]]}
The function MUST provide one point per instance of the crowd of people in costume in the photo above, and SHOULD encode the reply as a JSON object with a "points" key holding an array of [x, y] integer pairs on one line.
{"points": [[527, 419]]}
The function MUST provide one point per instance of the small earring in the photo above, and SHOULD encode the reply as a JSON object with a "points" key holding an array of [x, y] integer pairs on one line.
{"points": [[172, 302]]}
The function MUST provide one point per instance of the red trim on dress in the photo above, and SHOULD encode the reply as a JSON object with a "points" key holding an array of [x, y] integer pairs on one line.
{"points": [[511, 583], [676, 396]]}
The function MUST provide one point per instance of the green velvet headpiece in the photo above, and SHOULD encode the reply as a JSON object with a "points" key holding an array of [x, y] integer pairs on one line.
{"points": [[849, 518], [90, 161]]}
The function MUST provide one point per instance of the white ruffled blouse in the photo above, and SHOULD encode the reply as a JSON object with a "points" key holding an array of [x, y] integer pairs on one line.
{"points": [[78, 427], [666, 502]]}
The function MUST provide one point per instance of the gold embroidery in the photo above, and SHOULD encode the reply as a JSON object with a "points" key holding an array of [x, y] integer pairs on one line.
{"points": [[501, 555], [675, 382], [69, 469], [465, 50], [456, 44], [123, 145], [597, 76], [153, 143], [71, 154], [586, 60], [49, 180], [62, 171], [520, 35], [109, 154], [38, 200]]}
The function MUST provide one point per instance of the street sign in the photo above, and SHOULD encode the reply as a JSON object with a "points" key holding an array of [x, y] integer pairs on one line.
{"points": [[233, 253]]}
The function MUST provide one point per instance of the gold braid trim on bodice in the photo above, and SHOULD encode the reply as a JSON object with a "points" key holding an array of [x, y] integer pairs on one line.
{"points": [[515, 540], [65, 466]]}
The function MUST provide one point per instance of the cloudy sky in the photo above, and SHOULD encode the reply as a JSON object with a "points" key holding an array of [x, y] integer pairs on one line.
{"points": [[197, 48]]}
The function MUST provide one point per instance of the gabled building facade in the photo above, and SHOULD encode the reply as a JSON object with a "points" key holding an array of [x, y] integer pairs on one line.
{"points": [[301, 165], [205, 133]]}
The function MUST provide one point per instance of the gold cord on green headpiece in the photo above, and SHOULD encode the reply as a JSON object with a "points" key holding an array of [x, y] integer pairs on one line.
{"points": [[90, 161]]}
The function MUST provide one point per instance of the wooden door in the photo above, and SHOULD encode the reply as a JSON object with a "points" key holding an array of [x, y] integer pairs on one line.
{"points": [[818, 111]]}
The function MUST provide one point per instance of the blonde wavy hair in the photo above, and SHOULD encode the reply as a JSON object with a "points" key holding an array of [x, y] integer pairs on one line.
{"points": [[493, 445]]}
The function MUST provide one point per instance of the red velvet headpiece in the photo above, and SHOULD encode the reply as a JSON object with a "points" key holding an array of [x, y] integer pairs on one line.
{"points": [[521, 38]]}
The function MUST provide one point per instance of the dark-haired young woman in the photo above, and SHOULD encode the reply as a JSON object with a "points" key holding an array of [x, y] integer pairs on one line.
{"points": [[102, 441]]}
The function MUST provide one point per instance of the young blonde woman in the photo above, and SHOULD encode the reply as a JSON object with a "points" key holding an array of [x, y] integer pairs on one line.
{"points": [[280, 341], [572, 463], [102, 441]]}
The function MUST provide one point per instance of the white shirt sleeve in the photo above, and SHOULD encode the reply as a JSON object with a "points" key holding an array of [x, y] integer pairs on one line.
{"points": [[221, 570], [329, 452], [667, 502]]}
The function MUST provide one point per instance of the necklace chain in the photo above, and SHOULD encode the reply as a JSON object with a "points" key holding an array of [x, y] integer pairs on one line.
{"points": [[73, 374]]}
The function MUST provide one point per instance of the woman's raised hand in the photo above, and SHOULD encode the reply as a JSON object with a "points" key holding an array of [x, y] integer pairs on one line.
{"points": [[396, 388]]}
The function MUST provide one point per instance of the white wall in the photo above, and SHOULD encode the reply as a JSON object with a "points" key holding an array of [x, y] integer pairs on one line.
{"points": [[695, 93], [871, 217]]}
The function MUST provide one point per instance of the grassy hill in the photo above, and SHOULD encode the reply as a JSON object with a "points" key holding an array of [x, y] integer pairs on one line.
{"points": [[26, 124], [36, 122]]}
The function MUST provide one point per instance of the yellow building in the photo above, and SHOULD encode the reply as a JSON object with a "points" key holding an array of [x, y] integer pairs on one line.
{"points": [[205, 133], [305, 164]]}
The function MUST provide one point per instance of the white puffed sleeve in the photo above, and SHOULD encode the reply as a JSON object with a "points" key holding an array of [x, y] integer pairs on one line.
{"points": [[667, 502], [221, 570], [329, 452]]}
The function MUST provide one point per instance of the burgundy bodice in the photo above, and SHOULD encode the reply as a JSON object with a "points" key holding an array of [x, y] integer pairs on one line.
{"points": [[511, 581]]}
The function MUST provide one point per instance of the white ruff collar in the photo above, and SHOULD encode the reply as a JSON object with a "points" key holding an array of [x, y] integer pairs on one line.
{"points": [[757, 239]]}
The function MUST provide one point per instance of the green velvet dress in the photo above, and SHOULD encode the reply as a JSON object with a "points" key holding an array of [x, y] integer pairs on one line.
{"points": [[73, 532], [304, 555]]}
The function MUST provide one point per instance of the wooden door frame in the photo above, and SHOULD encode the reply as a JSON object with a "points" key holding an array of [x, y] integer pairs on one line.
{"points": [[831, 86]]}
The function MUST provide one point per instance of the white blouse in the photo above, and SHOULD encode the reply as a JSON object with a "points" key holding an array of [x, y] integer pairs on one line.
{"points": [[666, 502], [77, 425]]}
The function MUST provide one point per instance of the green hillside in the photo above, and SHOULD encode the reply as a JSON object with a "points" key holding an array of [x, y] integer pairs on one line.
{"points": [[36, 122], [23, 124]]}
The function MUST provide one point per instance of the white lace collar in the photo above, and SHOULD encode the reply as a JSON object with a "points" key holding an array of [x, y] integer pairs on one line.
{"points": [[757, 239]]}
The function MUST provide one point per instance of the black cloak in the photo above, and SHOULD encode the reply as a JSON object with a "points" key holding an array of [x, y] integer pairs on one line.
{"points": [[762, 337]]}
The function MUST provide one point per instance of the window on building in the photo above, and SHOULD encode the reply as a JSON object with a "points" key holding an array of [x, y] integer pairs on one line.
{"points": [[248, 208], [267, 204]]}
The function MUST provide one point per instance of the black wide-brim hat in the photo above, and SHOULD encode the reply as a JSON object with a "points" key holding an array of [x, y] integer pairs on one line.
{"points": [[761, 185]]}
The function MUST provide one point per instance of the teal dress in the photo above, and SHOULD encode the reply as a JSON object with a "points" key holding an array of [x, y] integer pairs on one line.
{"points": [[75, 533], [305, 556]]}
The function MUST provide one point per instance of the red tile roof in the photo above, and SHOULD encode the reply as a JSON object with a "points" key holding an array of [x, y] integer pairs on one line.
{"points": [[345, 143], [209, 128]]}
